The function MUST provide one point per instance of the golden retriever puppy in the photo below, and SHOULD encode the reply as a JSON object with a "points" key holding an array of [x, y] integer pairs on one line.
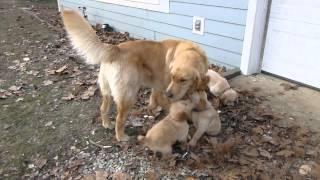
{"points": [[220, 87], [205, 118], [126, 67], [174, 127]]}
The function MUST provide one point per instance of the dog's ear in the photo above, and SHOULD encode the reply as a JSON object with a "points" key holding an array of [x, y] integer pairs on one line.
{"points": [[170, 56], [181, 116], [203, 83]]}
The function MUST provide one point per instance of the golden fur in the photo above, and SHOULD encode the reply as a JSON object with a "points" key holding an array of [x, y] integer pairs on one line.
{"points": [[220, 87], [126, 67], [206, 119], [174, 127]]}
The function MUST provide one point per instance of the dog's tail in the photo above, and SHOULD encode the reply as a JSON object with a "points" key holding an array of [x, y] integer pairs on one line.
{"points": [[85, 40]]}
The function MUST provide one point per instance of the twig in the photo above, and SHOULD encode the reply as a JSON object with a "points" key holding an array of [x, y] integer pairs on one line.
{"points": [[98, 145]]}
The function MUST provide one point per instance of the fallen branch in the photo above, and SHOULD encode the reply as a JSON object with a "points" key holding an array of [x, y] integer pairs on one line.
{"points": [[98, 145]]}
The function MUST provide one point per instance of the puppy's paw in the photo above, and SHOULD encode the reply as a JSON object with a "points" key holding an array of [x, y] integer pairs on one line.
{"points": [[192, 143], [154, 110], [108, 124], [123, 138]]}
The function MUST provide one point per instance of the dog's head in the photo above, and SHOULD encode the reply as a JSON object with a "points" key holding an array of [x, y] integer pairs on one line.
{"points": [[188, 66], [181, 110], [229, 96]]}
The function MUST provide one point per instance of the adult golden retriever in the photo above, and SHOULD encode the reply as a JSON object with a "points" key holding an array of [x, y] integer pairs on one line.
{"points": [[126, 67]]}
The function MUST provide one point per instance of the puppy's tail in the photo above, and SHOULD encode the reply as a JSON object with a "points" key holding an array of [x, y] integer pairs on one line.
{"points": [[85, 40]]}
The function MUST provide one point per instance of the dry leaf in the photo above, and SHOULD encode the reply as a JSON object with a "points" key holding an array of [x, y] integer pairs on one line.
{"points": [[121, 176], [40, 162], [12, 67], [288, 87], [316, 171], [305, 169], [50, 71], [61, 69], [265, 153], [195, 157], [19, 99], [89, 92], [14, 88], [48, 124], [68, 98], [101, 175], [150, 175], [35, 73], [285, 153], [251, 152], [89, 177], [257, 130]]}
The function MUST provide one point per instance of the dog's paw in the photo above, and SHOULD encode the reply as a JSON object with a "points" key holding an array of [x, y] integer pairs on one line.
{"points": [[108, 125], [123, 138]]}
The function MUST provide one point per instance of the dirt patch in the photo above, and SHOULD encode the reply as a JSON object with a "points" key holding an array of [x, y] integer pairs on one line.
{"points": [[50, 126]]}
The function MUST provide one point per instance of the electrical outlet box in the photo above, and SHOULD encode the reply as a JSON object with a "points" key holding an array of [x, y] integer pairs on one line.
{"points": [[198, 25]]}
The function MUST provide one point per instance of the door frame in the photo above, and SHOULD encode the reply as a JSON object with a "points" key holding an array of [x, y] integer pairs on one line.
{"points": [[255, 36]]}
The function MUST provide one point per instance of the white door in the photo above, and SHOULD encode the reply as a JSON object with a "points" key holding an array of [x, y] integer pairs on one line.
{"points": [[293, 41]]}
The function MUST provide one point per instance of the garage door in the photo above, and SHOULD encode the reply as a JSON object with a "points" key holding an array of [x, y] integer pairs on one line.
{"points": [[293, 41]]}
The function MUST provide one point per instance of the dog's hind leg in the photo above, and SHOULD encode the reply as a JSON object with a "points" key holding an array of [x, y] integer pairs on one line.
{"points": [[123, 108], [106, 103], [104, 109]]}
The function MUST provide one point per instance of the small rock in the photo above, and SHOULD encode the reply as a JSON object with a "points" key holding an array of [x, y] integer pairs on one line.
{"points": [[31, 166], [265, 153], [26, 59], [47, 82], [48, 124], [19, 99], [14, 88], [305, 169], [151, 117]]}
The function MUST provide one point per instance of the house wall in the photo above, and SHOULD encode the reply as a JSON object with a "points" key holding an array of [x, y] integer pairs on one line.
{"points": [[224, 23]]}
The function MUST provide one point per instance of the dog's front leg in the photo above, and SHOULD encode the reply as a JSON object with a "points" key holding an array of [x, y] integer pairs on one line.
{"points": [[157, 99], [153, 101], [201, 129]]}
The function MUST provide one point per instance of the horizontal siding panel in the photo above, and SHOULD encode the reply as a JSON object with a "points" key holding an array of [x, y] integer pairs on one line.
{"points": [[236, 16], [215, 55], [123, 27], [238, 4], [220, 42], [213, 27], [135, 31], [224, 24]]}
